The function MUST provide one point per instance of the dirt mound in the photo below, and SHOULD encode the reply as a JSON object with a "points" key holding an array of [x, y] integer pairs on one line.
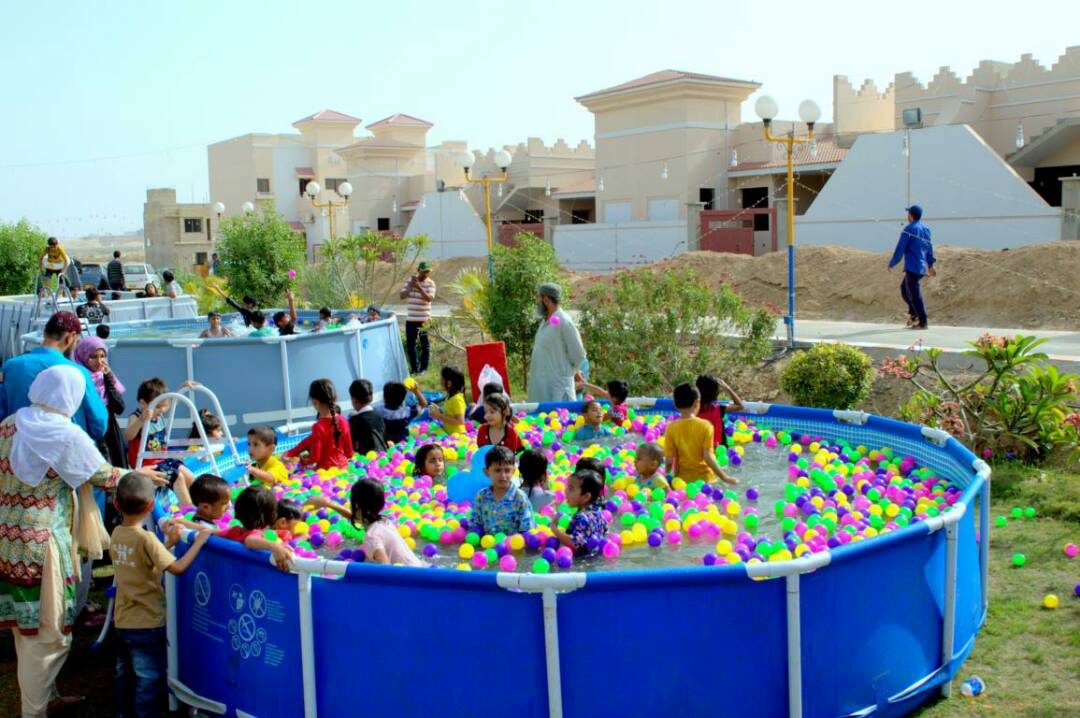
{"points": [[1028, 287]]}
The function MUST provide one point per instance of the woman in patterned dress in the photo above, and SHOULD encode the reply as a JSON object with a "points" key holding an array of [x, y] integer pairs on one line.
{"points": [[48, 466]]}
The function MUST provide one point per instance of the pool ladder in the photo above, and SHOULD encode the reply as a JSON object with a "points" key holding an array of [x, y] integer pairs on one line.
{"points": [[188, 447]]}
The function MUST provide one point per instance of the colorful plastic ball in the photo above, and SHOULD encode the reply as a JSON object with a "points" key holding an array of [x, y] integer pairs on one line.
{"points": [[1076, 590], [541, 565], [1070, 550], [1001, 522], [517, 542], [611, 550], [674, 537], [1018, 513], [554, 321], [709, 559], [548, 555], [1019, 559], [479, 559], [507, 563], [564, 561], [655, 539], [752, 494], [1029, 512], [430, 551], [466, 551], [1050, 601]]}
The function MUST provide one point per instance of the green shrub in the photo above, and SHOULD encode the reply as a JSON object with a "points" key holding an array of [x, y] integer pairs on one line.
{"points": [[509, 308], [21, 245], [656, 329], [830, 376], [257, 251]]}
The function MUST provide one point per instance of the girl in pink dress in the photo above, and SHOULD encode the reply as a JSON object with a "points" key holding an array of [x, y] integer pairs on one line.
{"points": [[382, 542]]}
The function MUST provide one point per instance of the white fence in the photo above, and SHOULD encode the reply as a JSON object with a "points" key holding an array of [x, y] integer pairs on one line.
{"points": [[608, 247]]}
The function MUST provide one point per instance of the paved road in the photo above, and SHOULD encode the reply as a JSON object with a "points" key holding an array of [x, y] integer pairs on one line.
{"points": [[1063, 346]]}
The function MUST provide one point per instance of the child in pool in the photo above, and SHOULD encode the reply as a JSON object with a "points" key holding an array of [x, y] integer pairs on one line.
{"points": [[476, 413], [366, 426], [591, 463], [215, 330], [330, 443], [587, 527], [382, 542], [429, 462], [689, 451], [533, 467], [617, 392], [210, 494], [501, 507], [259, 326], [211, 424], [326, 318], [395, 414], [265, 468], [497, 429], [593, 428], [256, 510], [648, 461], [287, 515], [712, 410], [452, 414], [179, 476]]}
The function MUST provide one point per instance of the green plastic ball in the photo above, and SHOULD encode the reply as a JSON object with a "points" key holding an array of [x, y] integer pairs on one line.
{"points": [[541, 565], [1019, 559], [1001, 522]]}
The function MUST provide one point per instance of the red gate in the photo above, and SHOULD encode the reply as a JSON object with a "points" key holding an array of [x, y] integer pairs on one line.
{"points": [[732, 230]]}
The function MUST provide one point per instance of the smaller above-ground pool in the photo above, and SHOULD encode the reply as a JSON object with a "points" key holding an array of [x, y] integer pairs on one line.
{"points": [[259, 380], [843, 576]]}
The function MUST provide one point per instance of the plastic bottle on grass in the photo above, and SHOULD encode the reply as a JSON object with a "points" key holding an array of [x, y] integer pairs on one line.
{"points": [[972, 687]]}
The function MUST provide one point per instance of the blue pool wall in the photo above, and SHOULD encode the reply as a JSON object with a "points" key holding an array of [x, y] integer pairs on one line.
{"points": [[680, 641], [16, 315], [259, 380]]}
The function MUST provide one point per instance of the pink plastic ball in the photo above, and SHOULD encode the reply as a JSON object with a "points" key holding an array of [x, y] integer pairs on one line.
{"points": [[479, 559], [674, 537], [694, 531], [610, 550], [506, 563], [1071, 550], [554, 321]]}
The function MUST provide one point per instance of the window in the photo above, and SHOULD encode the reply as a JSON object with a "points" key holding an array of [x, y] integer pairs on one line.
{"points": [[192, 225], [757, 198], [705, 196], [334, 182], [200, 258], [303, 185], [383, 224], [579, 216], [534, 216], [262, 185]]}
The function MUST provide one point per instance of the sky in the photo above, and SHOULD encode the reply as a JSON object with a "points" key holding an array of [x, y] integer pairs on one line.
{"points": [[103, 100]]}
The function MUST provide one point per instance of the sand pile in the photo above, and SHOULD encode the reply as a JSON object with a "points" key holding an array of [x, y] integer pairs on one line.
{"points": [[1029, 287]]}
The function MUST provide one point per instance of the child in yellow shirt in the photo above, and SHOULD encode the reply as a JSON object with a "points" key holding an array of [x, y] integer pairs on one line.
{"points": [[688, 441], [265, 468], [54, 260], [452, 414]]}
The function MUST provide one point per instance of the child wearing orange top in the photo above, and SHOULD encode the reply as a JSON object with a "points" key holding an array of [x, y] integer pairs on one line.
{"points": [[256, 510], [330, 442], [712, 410]]}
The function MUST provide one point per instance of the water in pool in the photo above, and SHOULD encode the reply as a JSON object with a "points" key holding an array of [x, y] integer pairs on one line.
{"points": [[236, 328], [796, 494]]}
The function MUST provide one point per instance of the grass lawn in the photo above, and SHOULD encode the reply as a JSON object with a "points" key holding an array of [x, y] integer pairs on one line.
{"points": [[1028, 656]]}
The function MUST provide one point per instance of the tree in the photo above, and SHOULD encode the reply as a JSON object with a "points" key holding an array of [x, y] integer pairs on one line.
{"points": [[21, 244], [257, 251], [656, 329], [361, 269], [509, 307]]}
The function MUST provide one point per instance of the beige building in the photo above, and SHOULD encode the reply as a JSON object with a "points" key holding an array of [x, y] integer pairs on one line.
{"points": [[177, 235]]}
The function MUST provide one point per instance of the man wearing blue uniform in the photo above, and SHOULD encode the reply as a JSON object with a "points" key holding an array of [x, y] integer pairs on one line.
{"points": [[917, 251]]}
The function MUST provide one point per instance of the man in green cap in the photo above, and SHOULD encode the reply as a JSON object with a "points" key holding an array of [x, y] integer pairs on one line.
{"points": [[557, 351], [419, 292]]}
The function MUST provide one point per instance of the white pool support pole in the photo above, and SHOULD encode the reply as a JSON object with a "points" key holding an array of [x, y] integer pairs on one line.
{"points": [[307, 644], [794, 647], [286, 387], [949, 623], [983, 470], [547, 585]]}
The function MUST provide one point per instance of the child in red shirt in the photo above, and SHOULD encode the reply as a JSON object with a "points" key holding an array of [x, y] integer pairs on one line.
{"points": [[711, 410], [497, 429], [255, 508], [330, 442]]}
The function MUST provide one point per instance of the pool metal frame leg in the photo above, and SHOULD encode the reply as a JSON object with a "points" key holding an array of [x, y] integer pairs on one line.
{"points": [[794, 647]]}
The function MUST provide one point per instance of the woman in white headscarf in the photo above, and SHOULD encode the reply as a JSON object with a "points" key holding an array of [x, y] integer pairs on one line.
{"points": [[48, 468]]}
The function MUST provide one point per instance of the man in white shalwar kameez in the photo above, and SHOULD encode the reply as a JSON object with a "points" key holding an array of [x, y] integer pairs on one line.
{"points": [[557, 351]]}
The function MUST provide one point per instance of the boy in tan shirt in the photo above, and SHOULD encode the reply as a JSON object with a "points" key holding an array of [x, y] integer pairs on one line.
{"points": [[139, 559]]}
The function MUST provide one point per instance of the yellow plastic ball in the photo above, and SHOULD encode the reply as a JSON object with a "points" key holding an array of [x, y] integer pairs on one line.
{"points": [[487, 541], [517, 542], [404, 531], [723, 547], [627, 537], [678, 484], [463, 567], [466, 551], [1050, 601], [733, 508], [410, 542]]}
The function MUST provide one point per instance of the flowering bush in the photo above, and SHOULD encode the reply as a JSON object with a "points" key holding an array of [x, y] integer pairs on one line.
{"points": [[831, 376], [1020, 404], [656, 329]]}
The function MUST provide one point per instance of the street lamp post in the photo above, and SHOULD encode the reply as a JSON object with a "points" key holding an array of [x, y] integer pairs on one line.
{"points": [[809, 112], [502, 159], [344, 189]]}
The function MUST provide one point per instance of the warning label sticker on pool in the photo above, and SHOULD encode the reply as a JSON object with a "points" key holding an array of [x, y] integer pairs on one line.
{"points": [[239, 617]]}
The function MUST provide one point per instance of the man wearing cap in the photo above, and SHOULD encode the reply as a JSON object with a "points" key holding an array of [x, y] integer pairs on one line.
{"points": [[61, 334], [420, 293], [917, 251], [557, 351]]}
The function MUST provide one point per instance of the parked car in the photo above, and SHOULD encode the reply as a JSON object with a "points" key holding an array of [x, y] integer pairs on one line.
{"points": [[137, 275], [92, 275]]}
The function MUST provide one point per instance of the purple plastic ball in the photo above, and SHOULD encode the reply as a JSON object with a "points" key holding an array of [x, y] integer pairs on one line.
{"points": [[552, 542], [655, 540], [430, 550], [548, 555], [532, 541], [752, 494], [709, 559], [316, 540], [564, 561]]}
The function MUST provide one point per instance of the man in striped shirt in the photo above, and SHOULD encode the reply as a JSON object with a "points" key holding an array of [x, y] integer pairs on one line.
{"points": [[420, 293]]}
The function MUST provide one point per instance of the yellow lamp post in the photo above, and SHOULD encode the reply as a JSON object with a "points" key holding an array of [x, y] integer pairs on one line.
{"points": [[344, 190], [809, 112], [502, 160]]}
